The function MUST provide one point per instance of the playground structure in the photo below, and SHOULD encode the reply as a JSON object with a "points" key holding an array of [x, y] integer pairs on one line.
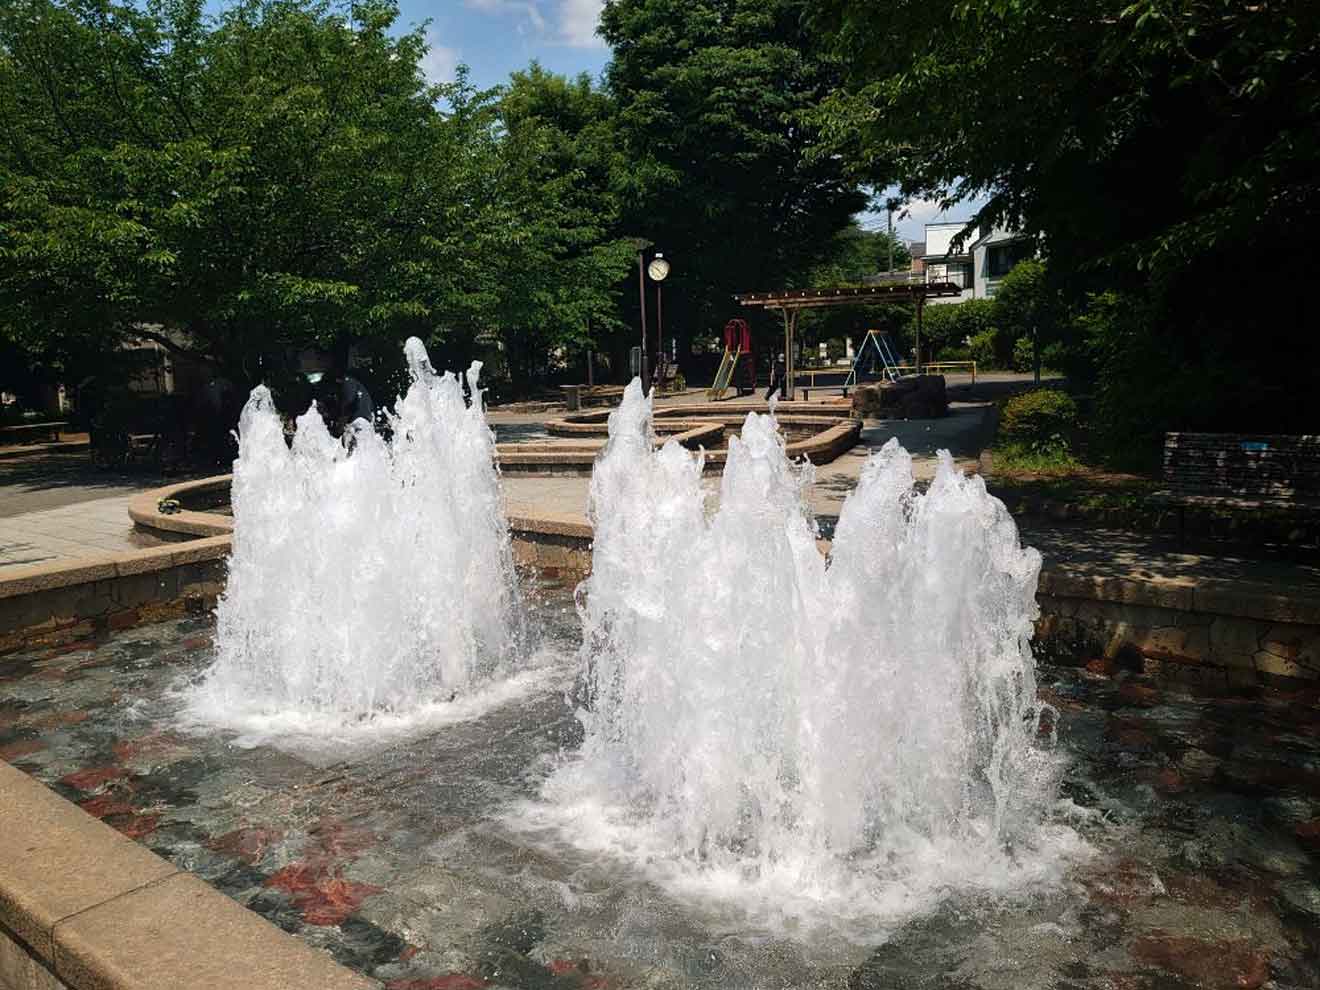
{"points": [[882, 346], [790, 302], [737, 347]]}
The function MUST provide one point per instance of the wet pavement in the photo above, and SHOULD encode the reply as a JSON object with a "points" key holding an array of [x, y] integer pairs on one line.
{"points": [[1203, 811]]}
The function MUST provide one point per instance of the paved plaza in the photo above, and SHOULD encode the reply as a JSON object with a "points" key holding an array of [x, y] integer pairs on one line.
{"points": [[54, 506]]}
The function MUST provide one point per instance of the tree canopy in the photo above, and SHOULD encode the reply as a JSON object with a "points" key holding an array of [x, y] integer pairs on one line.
{"points": [[272, 178], [713, 99], [1170, 152]]}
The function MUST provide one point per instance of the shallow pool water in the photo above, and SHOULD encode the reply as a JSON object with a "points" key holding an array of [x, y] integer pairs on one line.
{"points": [[409, 856]]}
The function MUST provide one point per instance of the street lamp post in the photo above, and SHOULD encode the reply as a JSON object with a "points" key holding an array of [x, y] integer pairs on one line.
{"points": [[658, 269]]}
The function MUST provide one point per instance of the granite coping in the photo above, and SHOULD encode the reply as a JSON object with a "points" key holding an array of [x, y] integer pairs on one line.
{"points": [[33, 578], [667, 425], [730, 408], [1204, 595], [144, 509], [104, 913]]}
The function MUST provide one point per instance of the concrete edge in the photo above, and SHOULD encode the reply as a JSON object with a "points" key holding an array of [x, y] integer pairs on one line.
{"points": [[35, 578], [11, 451], [1210, 595], [76, 924], [827, 446], [144, 509]]}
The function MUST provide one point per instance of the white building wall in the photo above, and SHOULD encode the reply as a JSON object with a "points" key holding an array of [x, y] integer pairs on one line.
{"points": [[939, 236]]}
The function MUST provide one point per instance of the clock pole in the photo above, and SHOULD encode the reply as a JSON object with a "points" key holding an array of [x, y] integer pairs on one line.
{"points": [[641, 299]]}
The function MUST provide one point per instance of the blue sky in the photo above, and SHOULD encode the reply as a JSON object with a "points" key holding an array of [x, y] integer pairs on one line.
{"points": [[497, 37]]}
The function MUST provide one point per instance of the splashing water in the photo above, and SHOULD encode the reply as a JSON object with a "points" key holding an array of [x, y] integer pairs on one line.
{"points": [[844, 740], [368, 577]]}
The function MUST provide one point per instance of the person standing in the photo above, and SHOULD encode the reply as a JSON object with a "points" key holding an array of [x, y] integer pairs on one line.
{"points": [[778, 377]]}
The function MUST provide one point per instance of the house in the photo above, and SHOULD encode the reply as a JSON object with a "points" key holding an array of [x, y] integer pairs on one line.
{"points": [[941, 263], [994, 254], [977, 267]]}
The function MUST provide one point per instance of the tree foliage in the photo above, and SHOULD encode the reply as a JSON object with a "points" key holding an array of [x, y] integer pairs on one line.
{"points": [[1166, 151], [951, 325], [276, 177], [713, 98]]}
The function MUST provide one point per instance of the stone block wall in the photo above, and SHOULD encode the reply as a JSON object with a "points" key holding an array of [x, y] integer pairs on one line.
{"points": [[1244, 637]]}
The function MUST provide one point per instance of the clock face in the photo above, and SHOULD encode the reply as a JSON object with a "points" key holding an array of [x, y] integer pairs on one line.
{"points": [[658, 269]]}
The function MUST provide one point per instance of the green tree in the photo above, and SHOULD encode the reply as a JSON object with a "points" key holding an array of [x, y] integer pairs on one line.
{"points": [[712, 99], [278, 177], [1170, 152], [950, 325], [564, 279], [1027, 308], [208, 179]]}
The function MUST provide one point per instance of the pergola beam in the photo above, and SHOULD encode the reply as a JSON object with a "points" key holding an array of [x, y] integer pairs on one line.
{"points": [[790, 301]]}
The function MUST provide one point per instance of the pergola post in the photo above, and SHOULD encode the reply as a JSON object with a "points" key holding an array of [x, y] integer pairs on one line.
{"points": [[790, 330], [921, 302]]}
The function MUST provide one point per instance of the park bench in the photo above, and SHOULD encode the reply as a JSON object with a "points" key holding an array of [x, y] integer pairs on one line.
{"points": [[577, 396], [1249, 472], [808, 389], [32, 432]]}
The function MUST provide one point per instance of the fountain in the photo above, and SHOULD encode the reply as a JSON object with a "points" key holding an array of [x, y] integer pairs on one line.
{"points": [[850, 737], [775, 770], [369, 577]]}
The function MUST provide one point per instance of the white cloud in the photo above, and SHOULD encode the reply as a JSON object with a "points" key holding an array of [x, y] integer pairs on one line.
{"points": [[440, 63], [911, 218], [577, 23], [526, 10]]}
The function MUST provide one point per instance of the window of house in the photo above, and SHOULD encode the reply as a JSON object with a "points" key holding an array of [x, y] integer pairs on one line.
{"points": [[1000, 258]]}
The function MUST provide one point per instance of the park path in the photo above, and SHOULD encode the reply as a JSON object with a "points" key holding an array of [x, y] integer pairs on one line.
{"points": [[54, 506]]}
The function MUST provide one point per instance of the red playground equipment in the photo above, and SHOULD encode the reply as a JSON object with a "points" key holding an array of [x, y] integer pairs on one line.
{"points": [[737, 351]]}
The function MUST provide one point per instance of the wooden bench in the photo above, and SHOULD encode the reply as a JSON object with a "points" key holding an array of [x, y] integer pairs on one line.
{"points": [[1241, 471], [32, 432], [577, 396], [808, 389]]}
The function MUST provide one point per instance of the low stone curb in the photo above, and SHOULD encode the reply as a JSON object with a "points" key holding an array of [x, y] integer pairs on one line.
{"points": [[144, 509], [84, 908]]}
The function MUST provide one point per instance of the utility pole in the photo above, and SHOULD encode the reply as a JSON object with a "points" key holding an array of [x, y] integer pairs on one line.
{"points": [[892, 204]]}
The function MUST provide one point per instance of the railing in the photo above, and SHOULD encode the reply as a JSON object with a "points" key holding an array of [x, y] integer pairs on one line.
{"points": [[836, 369], [940, 368], [898, 278], [959, 277]]}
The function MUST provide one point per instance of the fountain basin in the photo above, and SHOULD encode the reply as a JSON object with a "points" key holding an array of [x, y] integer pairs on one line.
{"points": [[814, 431], [409, 863]]}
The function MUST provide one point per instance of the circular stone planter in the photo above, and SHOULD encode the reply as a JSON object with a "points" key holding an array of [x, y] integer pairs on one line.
{"points": [[830, 432]]}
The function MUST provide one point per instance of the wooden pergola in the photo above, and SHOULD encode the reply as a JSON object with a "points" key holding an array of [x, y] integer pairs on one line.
{"points": [[791, 302]]}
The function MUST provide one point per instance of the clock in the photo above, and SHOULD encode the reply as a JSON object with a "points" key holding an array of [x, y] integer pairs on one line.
{"points": [[658, 269]]}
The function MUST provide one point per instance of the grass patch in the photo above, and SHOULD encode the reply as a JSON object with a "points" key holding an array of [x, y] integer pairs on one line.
{"points": [[1018, 458]]}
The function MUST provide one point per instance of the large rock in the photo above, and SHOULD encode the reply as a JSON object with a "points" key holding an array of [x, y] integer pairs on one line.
{"points": [[918, 397]]}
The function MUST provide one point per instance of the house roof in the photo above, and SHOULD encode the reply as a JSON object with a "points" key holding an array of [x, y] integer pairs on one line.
{"points": [[996, 236]]}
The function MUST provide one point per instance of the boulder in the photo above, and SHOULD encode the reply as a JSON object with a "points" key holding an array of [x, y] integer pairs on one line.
{"points": [[918, 397], [866, 402]]}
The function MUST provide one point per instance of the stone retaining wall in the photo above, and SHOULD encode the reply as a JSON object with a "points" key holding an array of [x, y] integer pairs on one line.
{"points": [[1243, 634], [1216, 630], [78, 600], [82, 907]]}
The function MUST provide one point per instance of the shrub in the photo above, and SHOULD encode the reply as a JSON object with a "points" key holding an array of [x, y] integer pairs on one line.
{"points": [[1043, 421], [982, 349], [952, 325], [1023, 358]]}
